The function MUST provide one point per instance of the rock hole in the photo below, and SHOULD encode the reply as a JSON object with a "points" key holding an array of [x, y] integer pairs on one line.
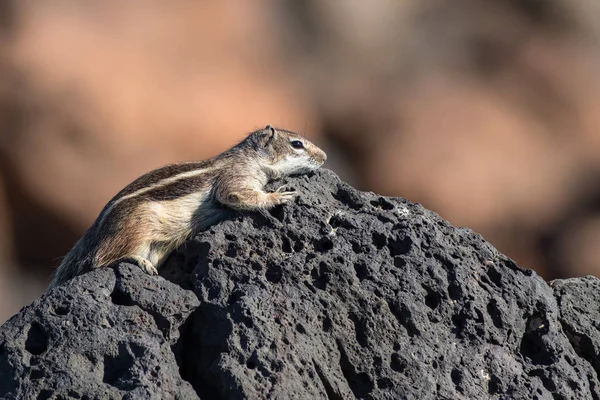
{"points": [[44, 394], [432, 299], [385, 383], [327, 324], [120, 298], [229, 237], [231, 250], [320, 276], [278, 213], [533, 346], [459, 321], [195, 357], [324, 245], [339, 221], [277, 366], [360, 330], [117, 367], [235, 297], [356, 248], [574, 385], [494, 385], [382, 203], [250, 364], [494, 276], [286, 245], [37, 373], [274, 274], [400, 246], [397, 364], [259, 220], [298, 246], [384, 219], [379, 240], [495, 313], [62, 309], [362, 272], [256, 266], [300, 329], [454, 291], [37, 339], [347, 197], [456, 377], [399, 262]]}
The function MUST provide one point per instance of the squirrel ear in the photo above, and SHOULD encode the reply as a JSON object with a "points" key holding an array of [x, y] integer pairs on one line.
{"points": [[271, 134]]}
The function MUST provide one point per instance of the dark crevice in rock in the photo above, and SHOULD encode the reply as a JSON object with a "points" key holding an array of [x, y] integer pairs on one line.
{"points": [[120, 297], [278, 213], [433, 298], [341, 221], [348, 197], [404, 317], [324, 244], [360, 383], [274, 273], [382, 204], [400, 246], [495, 313], [533, 345], [546, 380], [362, 271], [198, 361], [583, 346], [186, 356], [332, 394], [116, 367], [359, 330]]}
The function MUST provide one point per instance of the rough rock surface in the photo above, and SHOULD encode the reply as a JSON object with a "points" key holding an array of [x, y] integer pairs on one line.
{"points": [[340, 295]]}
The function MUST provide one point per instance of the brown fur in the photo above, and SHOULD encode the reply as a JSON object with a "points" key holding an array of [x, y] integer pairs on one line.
{"points": [[158, 211]]}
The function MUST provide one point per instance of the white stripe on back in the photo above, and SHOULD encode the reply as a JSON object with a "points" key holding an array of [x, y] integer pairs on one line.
{"points": [[157, 185]]}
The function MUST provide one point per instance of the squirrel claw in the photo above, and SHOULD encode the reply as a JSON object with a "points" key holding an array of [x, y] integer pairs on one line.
{"points": [[144, 264], [284, 197]]}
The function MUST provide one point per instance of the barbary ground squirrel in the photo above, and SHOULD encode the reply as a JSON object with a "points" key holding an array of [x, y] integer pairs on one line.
{"points": [[157, 212]]}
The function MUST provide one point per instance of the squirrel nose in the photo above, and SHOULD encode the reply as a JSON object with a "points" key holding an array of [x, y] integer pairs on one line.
{"points": [[323, 156]]}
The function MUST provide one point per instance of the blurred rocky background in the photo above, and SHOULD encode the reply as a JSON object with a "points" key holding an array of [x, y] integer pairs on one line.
{"points": [[485, 111]]}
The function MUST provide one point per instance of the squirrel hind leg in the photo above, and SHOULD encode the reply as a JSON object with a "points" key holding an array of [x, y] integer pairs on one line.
{"points": [[143, 263]]}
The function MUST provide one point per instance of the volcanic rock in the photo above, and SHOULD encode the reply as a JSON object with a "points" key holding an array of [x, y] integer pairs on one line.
{"points": [[341, 294]]}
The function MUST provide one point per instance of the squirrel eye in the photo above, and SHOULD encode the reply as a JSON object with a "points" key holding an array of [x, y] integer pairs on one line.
{"points": [[297, 144]]}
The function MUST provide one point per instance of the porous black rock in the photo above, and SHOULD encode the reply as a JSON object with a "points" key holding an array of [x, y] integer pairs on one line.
{"points": [[341, 294]]}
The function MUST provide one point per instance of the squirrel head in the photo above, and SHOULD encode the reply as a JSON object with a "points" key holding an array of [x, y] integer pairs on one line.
{"points": [[286, 153]]}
